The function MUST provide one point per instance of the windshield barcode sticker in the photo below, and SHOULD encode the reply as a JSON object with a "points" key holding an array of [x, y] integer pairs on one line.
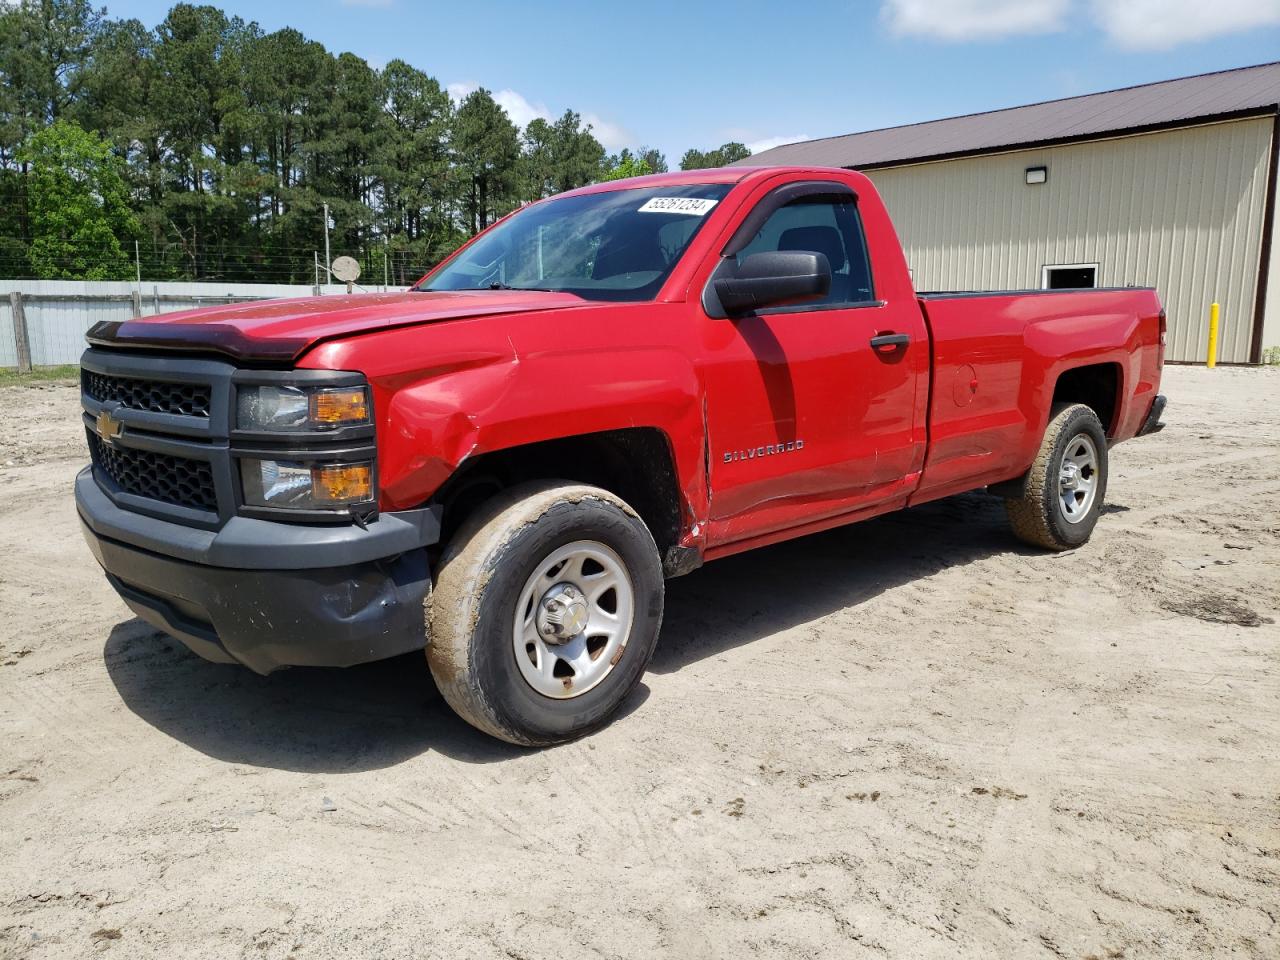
{"points": [[693, 206]]}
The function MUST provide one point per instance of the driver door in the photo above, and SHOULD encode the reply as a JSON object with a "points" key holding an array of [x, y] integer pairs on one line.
{"points": [[807, 417]]}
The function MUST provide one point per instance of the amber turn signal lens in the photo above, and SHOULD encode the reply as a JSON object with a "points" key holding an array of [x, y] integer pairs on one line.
{"points": [[342, 483], [340, 406]]}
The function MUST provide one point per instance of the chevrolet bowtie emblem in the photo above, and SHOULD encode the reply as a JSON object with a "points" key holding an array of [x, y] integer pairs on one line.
{"points": [[108, 427]]}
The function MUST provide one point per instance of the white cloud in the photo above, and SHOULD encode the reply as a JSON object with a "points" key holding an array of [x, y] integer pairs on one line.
{"points": [[458, 91], [1162, 24], [1130, 24], [518, 108], [768, 143], [973, 19], [522, 111], [612, 136]]}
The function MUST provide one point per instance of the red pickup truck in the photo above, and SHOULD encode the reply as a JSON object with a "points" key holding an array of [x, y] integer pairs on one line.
{"points": [[604, 389]]}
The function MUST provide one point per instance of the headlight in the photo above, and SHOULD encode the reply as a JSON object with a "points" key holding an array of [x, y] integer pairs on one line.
{"points": [[303, 486], [295, 408]]}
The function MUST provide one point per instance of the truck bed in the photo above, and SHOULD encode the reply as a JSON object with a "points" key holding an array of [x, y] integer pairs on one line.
{"points": [[997, 353]]}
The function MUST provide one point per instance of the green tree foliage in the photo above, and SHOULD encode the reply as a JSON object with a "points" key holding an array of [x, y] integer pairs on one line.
{"points": [[78, 204], [627, 164], [229, 142], [656, 160], [486, 146], [412, 168], [44, 47], [721, 156], [560, 156]]}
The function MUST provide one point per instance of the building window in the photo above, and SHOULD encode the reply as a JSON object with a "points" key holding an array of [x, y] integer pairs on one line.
{"points": [[1069, 276]]}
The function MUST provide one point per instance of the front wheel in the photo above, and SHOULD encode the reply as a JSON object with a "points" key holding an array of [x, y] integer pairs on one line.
{"points": [[545, 612], [1063, 493]]}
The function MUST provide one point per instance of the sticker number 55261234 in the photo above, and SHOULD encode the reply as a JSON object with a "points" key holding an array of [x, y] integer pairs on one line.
{"points": [[694, 206]]}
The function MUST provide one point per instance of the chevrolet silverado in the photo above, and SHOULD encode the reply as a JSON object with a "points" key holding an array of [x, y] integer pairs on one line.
{"points": [[605, 389]]}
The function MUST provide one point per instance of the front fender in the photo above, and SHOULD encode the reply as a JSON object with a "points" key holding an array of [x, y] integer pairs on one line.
{"points": [[490, 387]]}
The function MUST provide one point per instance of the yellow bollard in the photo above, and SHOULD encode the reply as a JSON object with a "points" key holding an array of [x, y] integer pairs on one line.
{"points": [[1213, 336]]}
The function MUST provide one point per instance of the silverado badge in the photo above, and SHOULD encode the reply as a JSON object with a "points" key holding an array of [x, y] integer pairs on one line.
{"points": [[768, 450], [107, 426]]}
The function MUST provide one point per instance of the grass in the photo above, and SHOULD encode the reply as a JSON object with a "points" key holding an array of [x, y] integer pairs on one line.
{"points": [[10, 377]]}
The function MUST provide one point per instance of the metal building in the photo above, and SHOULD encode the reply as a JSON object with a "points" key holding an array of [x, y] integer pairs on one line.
{"points": [[1171, 185]]}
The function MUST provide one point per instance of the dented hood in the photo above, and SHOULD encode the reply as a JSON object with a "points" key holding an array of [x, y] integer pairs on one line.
{"points": [[279, 331]]}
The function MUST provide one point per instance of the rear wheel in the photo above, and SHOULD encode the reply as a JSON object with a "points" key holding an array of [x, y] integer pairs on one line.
{"points": [[545, 612], [1063, 493]]}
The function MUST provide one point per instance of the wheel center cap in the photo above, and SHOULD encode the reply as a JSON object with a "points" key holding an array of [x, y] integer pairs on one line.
{"points": [[1070, 476], [562, 613]]}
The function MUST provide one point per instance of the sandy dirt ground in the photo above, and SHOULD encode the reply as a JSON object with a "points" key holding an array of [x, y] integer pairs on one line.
{"points": [[910, 738]]}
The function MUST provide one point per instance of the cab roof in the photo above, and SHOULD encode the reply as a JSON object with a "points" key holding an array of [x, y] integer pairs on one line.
{"points": [[709, 175]]}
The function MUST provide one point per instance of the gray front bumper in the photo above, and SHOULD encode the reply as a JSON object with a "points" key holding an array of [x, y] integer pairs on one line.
{"points": [[267, 594]]}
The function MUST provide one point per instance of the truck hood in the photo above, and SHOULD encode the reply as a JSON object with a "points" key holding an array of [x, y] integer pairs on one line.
{"points": [[280, 331]]}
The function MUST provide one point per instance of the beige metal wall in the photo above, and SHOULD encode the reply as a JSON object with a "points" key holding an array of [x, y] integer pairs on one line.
{"points": [[1181, 211]]}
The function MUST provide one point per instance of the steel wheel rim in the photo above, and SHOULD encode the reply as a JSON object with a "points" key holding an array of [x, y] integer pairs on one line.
{"points": [[596, 604], [1078, 475]]}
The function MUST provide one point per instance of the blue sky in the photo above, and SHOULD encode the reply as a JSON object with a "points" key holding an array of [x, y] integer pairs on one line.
{"points": [[680, 75]]}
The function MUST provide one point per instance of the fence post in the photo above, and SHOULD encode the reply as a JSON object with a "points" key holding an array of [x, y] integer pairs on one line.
{"points": [[20, 337], [137, 302]]}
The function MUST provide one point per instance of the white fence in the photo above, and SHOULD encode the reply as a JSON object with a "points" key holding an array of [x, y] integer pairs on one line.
{"points": [[58, 312]]}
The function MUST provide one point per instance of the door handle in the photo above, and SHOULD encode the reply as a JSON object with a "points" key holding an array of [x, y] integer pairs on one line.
{"points": [[894, 340]]}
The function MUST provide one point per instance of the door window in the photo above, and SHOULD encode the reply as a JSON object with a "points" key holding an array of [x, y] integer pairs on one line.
{"points": [[829, 225]]}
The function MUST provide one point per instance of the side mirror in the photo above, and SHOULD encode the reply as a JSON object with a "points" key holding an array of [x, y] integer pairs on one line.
{"points": [[773, 279]]}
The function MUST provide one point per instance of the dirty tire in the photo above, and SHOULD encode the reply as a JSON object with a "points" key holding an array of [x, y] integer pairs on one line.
{"points": [[1038, 516], [471, 611]]}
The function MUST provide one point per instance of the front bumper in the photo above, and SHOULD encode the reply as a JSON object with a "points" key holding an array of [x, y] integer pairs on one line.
{"points": [[268, 594]]}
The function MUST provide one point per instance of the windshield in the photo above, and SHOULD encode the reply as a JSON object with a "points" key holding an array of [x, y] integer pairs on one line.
{"points": [[618, 245]]}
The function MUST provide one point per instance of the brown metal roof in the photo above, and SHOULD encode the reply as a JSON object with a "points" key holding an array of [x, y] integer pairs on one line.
{"points": [[1170, 103]]}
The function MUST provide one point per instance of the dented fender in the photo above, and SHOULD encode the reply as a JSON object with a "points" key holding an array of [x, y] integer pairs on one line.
{"points": [[448, 393]]}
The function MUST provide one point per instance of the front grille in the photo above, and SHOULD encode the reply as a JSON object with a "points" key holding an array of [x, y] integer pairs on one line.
{"points": [[157, 476], [157, 396]]}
